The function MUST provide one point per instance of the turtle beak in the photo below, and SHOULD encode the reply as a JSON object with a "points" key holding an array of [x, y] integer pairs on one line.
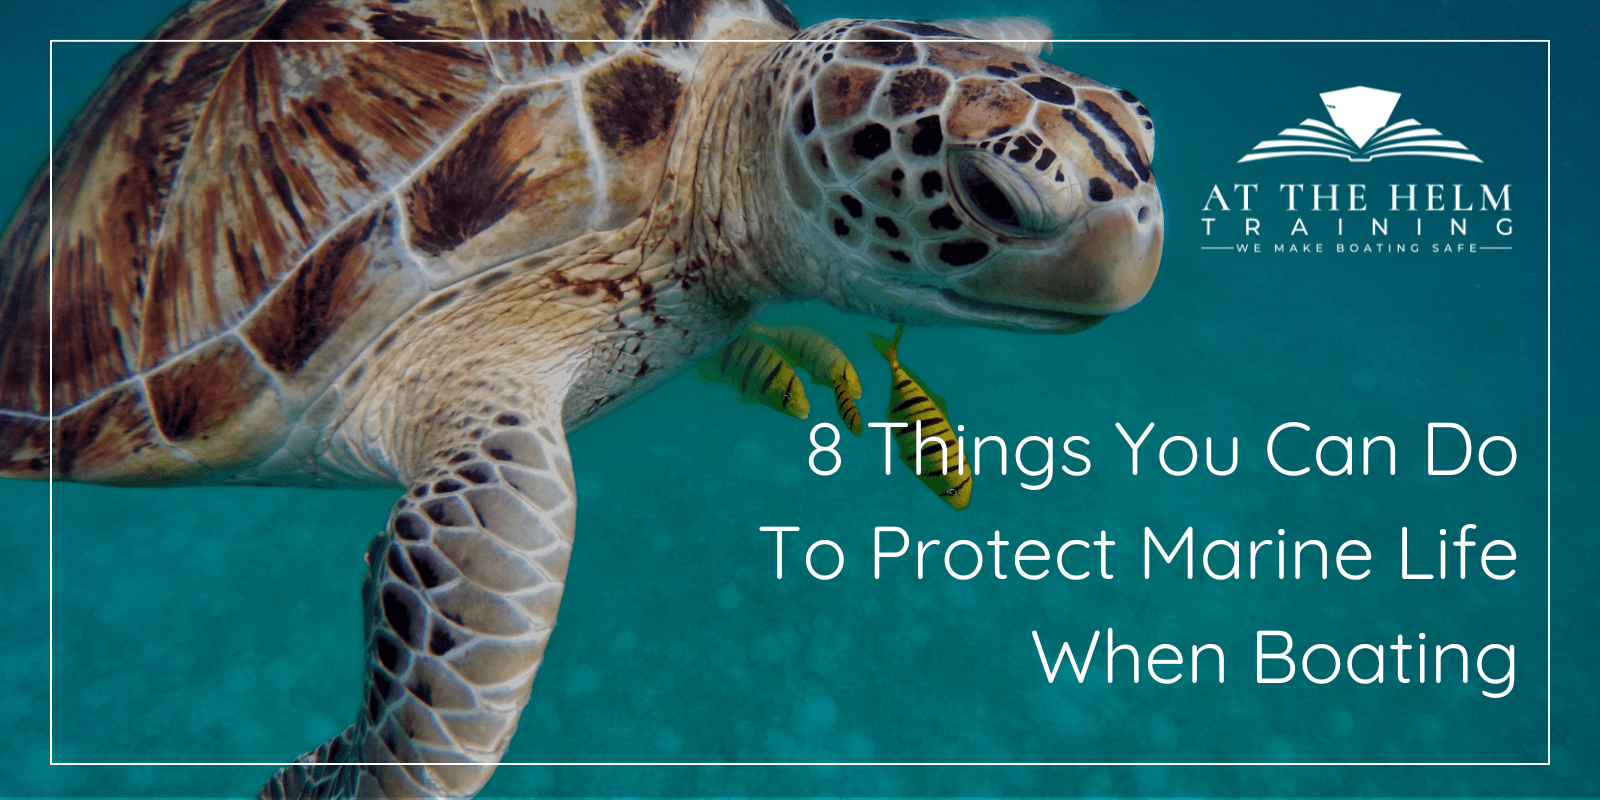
{"points": [[1105, 263]]}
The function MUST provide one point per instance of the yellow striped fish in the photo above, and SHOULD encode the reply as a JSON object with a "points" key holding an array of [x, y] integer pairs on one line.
{"points": [[847, 408], [910, 402], [760, 375], [827, 364]]}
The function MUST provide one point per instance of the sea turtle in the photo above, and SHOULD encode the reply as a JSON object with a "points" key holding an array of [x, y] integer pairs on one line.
{"points": [[341, 243]]}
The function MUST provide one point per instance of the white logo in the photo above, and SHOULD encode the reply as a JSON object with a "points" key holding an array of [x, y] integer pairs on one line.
{"points": [[1363, 132]]}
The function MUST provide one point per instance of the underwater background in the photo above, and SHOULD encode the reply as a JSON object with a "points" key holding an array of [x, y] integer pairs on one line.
{"points": [[223, 624]]}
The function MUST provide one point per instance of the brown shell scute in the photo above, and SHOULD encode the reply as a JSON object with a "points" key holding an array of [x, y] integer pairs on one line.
{"points": [[525, 167], [321, 316], [633, 102], [192, 395], [213, 401], [315, 299], [475, 184]]}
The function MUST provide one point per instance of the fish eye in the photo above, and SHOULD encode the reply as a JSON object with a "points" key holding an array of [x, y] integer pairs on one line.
{"points": [[987, 196]]}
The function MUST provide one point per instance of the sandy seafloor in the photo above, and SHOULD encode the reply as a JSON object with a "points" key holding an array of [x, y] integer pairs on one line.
{"points": [[222, 624]]}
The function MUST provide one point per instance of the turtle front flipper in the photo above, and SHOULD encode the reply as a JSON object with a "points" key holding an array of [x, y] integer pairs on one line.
{"points": [[459, 602]]}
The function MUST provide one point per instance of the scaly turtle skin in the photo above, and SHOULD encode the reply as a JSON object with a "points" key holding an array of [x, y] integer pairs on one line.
{"points": [[408, 253]]}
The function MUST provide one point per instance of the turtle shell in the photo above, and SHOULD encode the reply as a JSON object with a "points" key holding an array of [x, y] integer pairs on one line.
{"points": [[236, 219]]}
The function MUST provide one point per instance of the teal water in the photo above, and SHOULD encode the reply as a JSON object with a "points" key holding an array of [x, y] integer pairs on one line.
{"points": [[222, 625]]}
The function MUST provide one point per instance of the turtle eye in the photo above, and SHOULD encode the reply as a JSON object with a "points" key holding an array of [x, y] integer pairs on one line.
{"points": [[1000, 198], [987, 196]]}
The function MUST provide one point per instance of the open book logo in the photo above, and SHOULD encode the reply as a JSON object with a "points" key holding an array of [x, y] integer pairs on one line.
{"points": [[1360, 132]]}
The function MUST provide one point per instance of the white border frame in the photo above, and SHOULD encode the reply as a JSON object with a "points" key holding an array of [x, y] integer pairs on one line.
{"points": [[1549, 255]]}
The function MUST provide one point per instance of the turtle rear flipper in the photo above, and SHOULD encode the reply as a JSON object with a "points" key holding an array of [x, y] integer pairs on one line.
{"points": [[460, 599]]}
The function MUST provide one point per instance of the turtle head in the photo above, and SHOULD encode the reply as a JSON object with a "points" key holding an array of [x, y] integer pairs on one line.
{"points": [[967, 181]]}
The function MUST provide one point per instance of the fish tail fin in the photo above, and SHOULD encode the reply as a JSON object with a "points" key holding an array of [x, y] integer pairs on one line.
{"points": [[888, 348], [881, 343]]}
